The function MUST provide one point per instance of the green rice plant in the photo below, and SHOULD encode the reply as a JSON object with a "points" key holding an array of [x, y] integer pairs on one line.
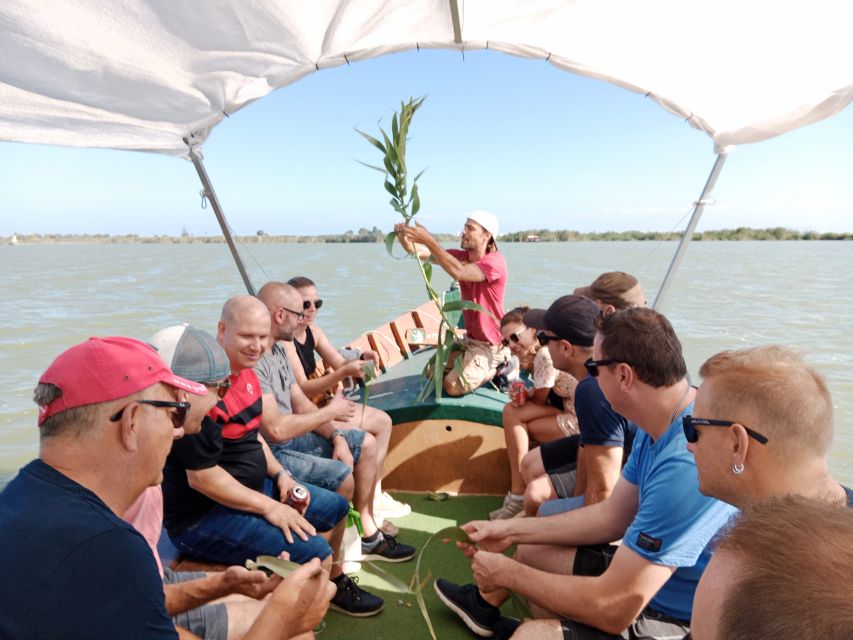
{"points": [[407, 203]]}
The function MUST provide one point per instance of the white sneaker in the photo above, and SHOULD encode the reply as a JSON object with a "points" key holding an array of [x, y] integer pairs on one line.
{"points": [[512, 506], [386, 507]]}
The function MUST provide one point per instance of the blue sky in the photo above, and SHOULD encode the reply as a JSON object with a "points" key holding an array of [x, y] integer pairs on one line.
{"points": [[539, 147]]}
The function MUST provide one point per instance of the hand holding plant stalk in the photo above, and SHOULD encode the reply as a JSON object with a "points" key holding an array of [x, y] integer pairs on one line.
{"points": [[407, 204]]}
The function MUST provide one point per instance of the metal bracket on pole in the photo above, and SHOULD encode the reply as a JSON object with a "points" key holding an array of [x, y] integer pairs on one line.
{"points": [[220, 216], [698, 208]]}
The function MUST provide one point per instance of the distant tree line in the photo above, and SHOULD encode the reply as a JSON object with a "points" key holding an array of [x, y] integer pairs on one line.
{"points": [[741, 233], [376, 235]]}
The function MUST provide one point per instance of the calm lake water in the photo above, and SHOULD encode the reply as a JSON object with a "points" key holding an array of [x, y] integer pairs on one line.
{"points": [[727, 295]]}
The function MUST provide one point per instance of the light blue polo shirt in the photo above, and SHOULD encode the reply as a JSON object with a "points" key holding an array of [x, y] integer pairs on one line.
{"points": [[674, 522]]}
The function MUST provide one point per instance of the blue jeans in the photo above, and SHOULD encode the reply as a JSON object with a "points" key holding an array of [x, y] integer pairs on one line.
{"points": [[309, 458], [560, 505], [228, 536]]}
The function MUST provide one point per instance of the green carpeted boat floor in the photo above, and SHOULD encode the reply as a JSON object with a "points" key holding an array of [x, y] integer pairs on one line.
{"points": [[402, 617]]}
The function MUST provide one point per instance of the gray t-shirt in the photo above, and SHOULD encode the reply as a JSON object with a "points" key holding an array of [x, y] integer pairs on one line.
{"points": [[276, 376]]}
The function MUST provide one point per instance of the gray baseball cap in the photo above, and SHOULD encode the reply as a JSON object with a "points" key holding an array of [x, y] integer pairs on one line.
{"points": [[192, 352]]}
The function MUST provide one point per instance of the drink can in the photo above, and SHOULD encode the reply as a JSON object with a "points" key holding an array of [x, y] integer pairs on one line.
{"points": [[297, 498], [518, 392]]}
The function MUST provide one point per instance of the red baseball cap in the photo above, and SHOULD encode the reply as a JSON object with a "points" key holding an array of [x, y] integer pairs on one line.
{"points": [[104, 369]]}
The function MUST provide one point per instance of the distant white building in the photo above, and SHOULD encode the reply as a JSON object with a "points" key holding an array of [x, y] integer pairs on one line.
{"points": [[13, 239]]}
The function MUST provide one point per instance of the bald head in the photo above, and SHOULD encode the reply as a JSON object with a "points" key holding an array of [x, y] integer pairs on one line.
{"points": [[284, 303], [243, 331]]}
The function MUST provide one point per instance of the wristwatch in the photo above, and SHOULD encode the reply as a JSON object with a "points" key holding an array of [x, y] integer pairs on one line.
{"points": [[335, 434]]}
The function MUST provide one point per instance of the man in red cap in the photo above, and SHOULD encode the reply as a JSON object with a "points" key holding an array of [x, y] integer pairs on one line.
{"points": [[107, 417], [482, 274], [71, 567]]}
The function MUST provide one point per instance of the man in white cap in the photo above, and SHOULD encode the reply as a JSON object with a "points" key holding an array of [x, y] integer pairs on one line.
{"points": [[482, 274]]}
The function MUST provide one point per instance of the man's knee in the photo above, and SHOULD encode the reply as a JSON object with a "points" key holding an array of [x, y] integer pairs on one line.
{"points": [[454, 386], [539, 630], [368, 450], [537, 491], [347, 488], [531, 466]]}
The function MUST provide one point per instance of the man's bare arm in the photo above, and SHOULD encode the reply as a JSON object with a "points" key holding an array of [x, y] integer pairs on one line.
{"points": [[603, 466], [183, 596], [279, 427], [458, 270], [609, 602], [599, 523]]}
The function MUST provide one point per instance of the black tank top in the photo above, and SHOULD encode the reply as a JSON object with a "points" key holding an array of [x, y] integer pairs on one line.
{"points": [[305, 351]]}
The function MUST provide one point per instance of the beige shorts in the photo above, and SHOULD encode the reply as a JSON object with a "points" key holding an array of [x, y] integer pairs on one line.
{"points": [[480, 362]]}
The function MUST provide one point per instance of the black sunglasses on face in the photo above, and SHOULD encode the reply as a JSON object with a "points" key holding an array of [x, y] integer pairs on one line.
{"points": [[221, 387], [306, 304], [179, 415], [689, 424], [299, 314], [592, 366], [544, 338], [513, 337]]}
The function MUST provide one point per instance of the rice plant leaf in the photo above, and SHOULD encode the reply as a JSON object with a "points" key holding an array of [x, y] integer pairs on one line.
{"points": [[390, 151], [416, 200], [390, 188], [371, 140], [395, 131], [393, 581], [390, 169], [417, 177], [389, 243], [279, 566], [460, 305], [428, 271], [374, 167]]}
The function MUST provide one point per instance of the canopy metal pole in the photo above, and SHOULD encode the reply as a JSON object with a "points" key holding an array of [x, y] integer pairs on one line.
{"points": [[698, 208], [210, 194]]}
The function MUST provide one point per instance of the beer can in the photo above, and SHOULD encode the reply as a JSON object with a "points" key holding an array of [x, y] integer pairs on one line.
{"points": [[297, 498], [518, 392]]}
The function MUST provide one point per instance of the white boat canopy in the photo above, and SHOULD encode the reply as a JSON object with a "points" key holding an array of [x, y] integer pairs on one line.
{"points": [[146, 74]]}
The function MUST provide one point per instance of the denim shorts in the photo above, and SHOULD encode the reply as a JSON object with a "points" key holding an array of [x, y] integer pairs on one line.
{"points": [[209, 621], [309, 458]]}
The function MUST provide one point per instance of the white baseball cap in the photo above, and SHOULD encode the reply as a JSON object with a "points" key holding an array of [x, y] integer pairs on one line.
{"points": [[487, 220]]}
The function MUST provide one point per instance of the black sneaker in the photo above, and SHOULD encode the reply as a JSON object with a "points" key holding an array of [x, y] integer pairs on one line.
{"points": [[353, 600], [466, 602], [505, 627], [387, 549]]}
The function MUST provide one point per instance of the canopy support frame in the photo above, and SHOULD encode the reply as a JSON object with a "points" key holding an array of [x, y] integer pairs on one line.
{"points": [[210, 194], [698, 209]]}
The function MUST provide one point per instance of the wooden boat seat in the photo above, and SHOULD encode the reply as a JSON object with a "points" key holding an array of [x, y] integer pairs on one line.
{"points": [[383, 342]]}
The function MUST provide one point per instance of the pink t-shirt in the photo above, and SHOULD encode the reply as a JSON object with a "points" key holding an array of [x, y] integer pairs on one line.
{"points": [[146, 516], [489, 294]]}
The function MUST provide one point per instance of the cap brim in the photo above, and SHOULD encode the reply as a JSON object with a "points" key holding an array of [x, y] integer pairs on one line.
{"points": [[535, 318], [187, 385]]}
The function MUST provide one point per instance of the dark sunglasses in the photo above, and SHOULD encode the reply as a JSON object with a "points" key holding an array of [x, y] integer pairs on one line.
{"points": [[299, 314], [179, 415], [592, 366], [689, 424], [221, 387], [306, 304], [544, 338], [513, 337]]}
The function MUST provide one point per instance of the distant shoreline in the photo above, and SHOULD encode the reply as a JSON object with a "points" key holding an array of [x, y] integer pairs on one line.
{"points": [[377, 236]]}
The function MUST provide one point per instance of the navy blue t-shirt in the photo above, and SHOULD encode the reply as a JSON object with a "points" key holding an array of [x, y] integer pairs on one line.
{"points": [[599, 424], [70, 568]]}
